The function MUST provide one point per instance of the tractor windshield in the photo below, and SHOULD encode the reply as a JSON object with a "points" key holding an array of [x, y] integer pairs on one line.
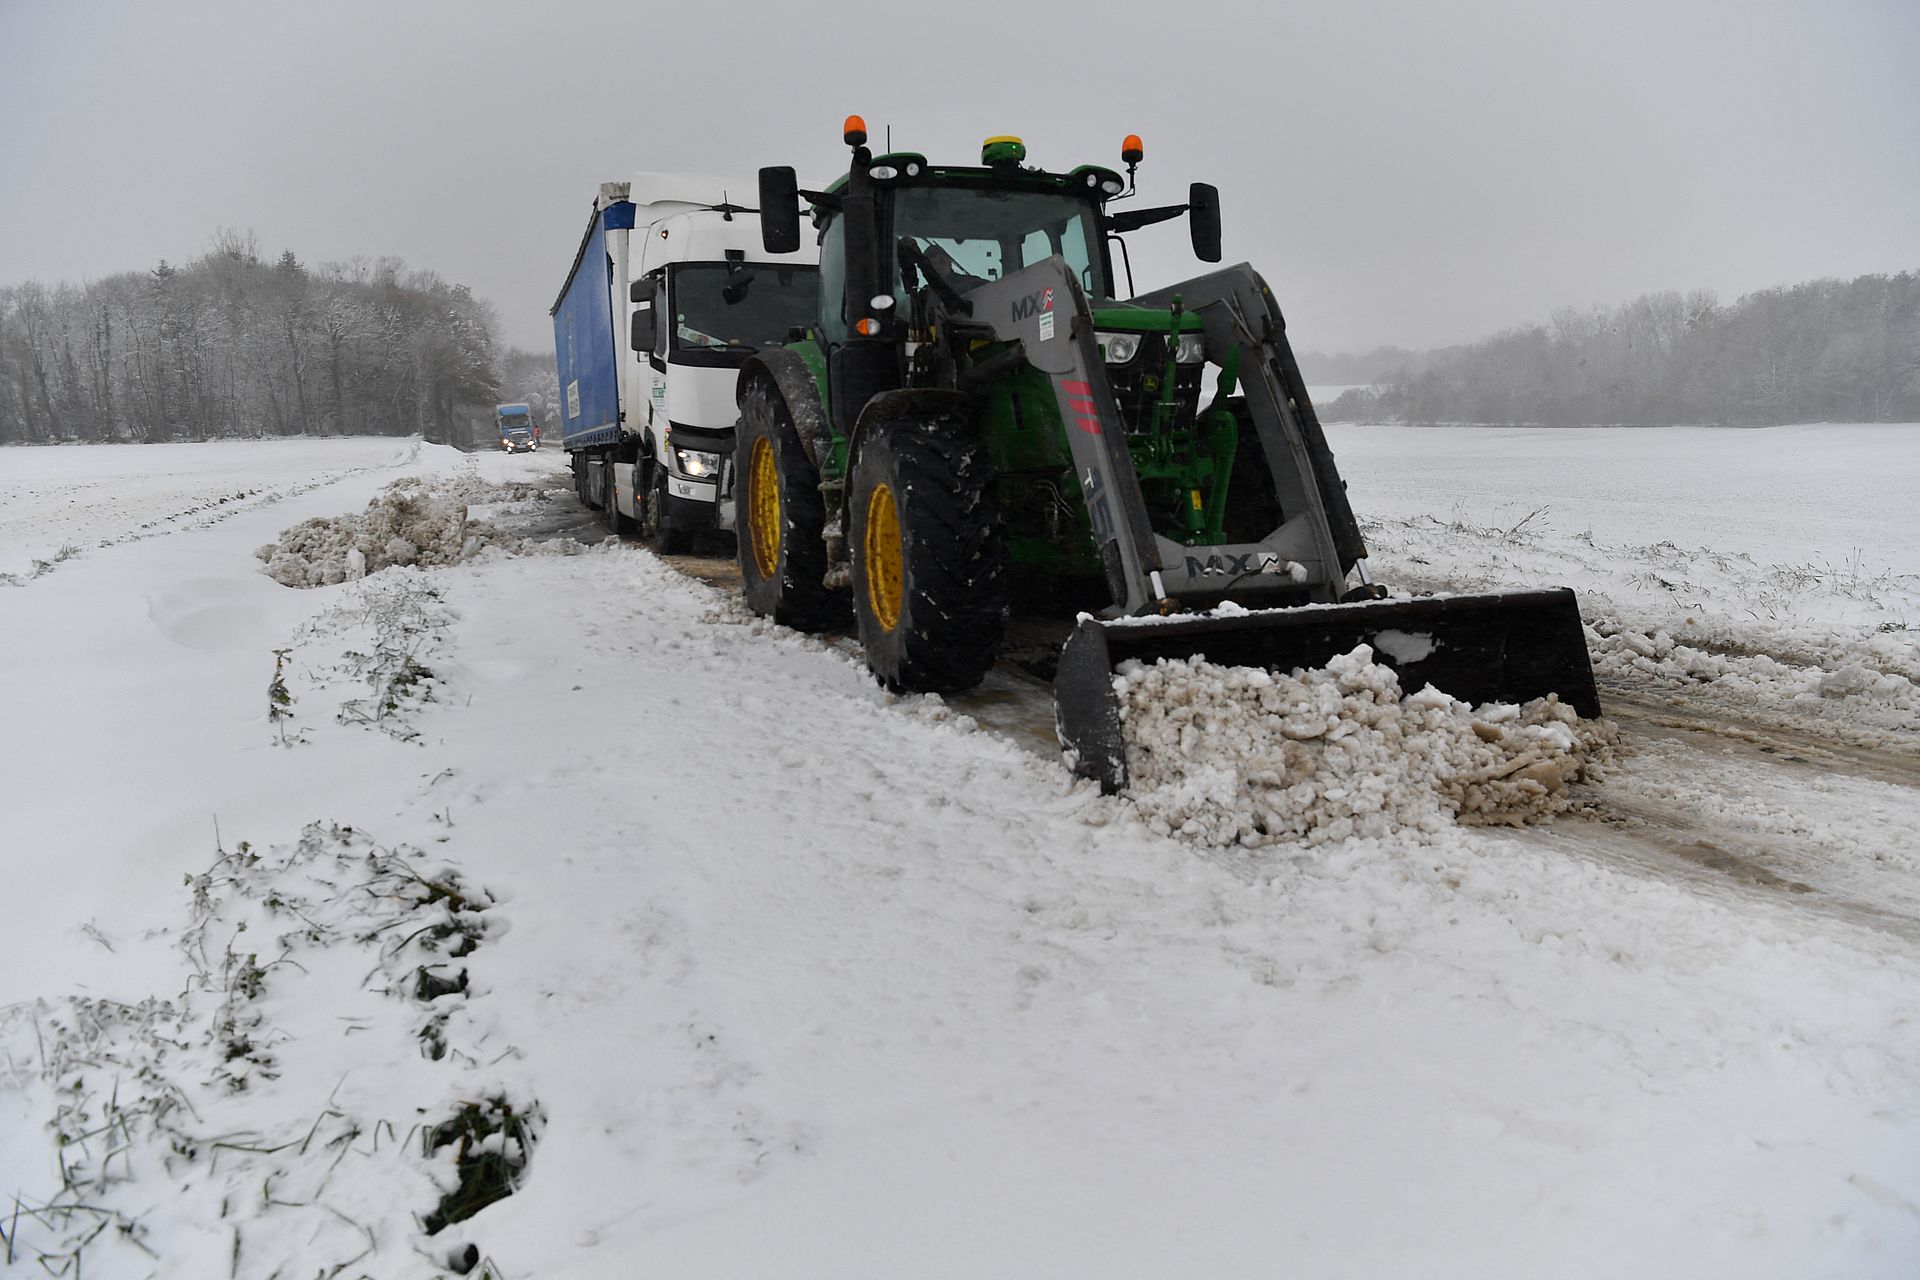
{"points": [[973, 235], [751, 306]]}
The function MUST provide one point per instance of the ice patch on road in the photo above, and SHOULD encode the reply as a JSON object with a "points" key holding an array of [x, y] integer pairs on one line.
{"points": [[413, 521], [1242, 756]]}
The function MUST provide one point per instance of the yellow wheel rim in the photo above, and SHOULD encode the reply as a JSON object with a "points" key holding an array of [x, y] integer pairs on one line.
{"points": [[763, 508], [884, 559]]}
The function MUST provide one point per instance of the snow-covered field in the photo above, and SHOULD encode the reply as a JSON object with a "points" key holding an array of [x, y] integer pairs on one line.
{"points": [[553, 866], [76, 498]]}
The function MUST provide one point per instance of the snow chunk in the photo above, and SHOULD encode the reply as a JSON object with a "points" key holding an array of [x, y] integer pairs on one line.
{"points": [[1405, 646], [413, 521], [1242, 756]]}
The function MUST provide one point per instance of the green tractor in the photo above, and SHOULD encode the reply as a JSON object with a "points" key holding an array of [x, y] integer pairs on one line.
{"points": [[975, 414]]}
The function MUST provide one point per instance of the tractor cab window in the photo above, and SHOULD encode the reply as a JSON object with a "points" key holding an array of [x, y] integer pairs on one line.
{"points": [[967, 262], [974, 235], [1069, 240], [717, 311], [833, 282]]}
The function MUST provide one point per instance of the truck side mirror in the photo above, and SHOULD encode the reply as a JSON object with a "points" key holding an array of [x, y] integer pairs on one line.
{"points": [[779, 209], [1203, 220], [640, 290], [640, 335]]}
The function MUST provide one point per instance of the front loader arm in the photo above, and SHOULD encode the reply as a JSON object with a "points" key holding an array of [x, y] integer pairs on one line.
{"points": [[1306, 558], [1240, 311], [1044, 309]]}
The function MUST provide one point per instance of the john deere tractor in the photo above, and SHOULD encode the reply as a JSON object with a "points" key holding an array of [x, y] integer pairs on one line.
{"points": [[974, 412]]}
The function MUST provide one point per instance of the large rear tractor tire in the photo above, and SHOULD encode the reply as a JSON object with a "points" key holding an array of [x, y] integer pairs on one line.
{"points": [[929, 556], [781, 517]]}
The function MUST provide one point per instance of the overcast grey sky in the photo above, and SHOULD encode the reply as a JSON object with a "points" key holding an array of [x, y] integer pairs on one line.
{"points": [[1413, 172]]}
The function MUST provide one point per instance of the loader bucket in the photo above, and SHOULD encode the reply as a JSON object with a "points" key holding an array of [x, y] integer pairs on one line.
{"points": [[1504, 647]]}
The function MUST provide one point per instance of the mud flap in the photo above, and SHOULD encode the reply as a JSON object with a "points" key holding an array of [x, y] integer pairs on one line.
{"points": [[1505, 647]]}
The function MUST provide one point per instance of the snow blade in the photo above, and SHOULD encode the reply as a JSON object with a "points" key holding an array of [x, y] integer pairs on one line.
{"points": [[1504, 647]]}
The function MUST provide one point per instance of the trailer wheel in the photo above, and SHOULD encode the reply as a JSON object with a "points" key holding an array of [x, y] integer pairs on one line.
{"points": [[782, 517], [929, 556], [581, 489]]}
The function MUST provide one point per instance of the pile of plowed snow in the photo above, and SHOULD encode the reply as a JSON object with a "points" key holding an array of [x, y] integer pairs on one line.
{"points": [[1242, 756], [413, 521], [1864, 680]]}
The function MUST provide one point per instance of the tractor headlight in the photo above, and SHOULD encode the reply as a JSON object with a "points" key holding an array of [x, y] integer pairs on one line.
{"points": [[1191, 348], [1119, 348], [693, 462]]}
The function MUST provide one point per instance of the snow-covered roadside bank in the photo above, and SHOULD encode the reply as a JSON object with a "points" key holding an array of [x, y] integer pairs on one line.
{"points": [[75, 497], [1824, 496], [1771, 573], [803, 979], [126, 710]]}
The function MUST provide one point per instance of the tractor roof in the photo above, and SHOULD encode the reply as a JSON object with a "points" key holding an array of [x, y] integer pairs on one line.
{"points": [[910, 168]]}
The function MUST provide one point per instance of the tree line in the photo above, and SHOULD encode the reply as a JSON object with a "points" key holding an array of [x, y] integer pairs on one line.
{"points": [[1824, 351], [234, 345]]}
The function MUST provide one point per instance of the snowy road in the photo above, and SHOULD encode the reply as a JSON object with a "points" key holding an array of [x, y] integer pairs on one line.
{"points": [[788, 976], [1665, 810]]}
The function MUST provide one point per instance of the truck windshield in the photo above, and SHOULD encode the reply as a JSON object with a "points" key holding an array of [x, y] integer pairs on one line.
{"points": [[975, 235], [752, 307], [515, 422]]}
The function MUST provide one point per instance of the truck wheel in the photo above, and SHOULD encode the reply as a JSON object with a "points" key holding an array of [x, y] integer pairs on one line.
{"points": [[782, 550], [929, 557], [656, 520], [609, 482], [581, 491]]}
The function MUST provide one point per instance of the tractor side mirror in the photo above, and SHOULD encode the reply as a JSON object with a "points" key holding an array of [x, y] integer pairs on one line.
{"points": [[640, 334], [779, 209], [1203, 220]]}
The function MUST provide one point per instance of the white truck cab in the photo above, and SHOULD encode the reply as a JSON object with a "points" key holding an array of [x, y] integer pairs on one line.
{"points": [[693, 293]]}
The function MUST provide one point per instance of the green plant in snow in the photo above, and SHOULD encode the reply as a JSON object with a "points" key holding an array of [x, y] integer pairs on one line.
{"points": [[279, 697]]}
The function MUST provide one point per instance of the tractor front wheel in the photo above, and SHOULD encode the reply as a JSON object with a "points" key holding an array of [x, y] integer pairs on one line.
{"points": [[929, 557], [781, 517]]}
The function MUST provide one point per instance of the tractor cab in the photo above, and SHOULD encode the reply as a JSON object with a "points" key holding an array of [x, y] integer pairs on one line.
{"points": [[904, 246], [970, 225]]}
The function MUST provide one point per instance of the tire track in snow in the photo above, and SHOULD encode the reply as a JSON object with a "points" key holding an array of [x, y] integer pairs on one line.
{"points": [[1757, 810]]}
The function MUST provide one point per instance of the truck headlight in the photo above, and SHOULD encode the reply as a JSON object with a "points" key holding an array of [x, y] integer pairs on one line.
{"points": [[694, 462], [1191, 349], [1119, 348]]}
